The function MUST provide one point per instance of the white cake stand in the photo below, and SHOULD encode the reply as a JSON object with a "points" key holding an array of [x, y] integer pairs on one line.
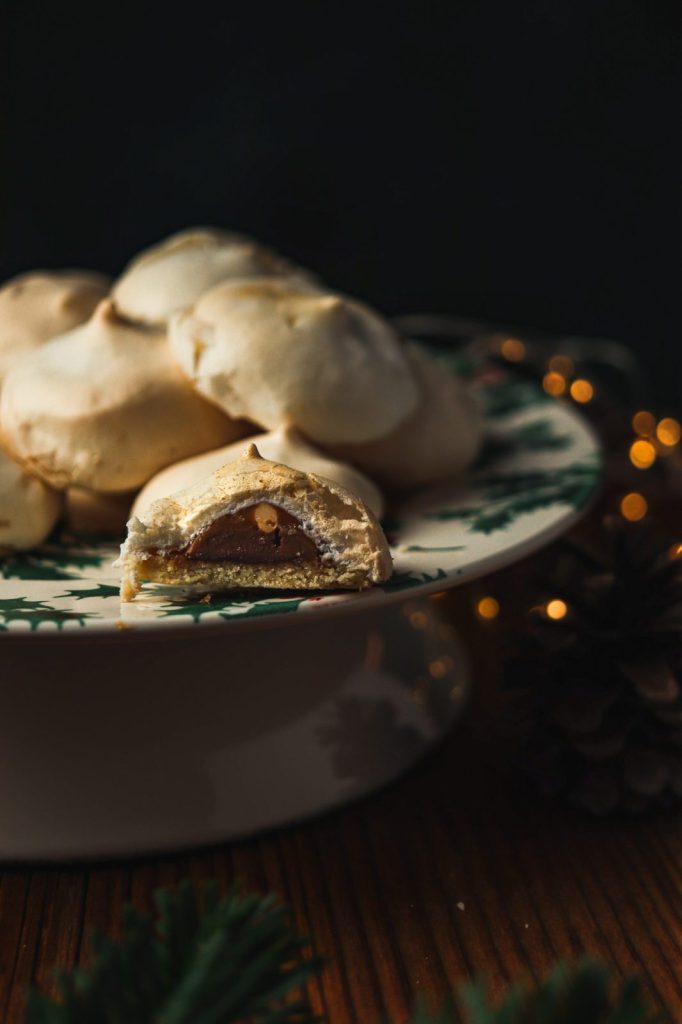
{"points": [[170, 722]]}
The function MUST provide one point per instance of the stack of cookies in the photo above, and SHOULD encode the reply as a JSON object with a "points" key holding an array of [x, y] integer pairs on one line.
{"points": [[115, 396]]}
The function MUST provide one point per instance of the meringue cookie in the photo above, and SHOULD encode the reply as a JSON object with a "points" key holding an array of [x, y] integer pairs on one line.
{"points": [[96, 513], [439, 440], [29, 509], [255, 523], [284, 445], [270, 352], [37, 306], [173, 274], [105, 407]]}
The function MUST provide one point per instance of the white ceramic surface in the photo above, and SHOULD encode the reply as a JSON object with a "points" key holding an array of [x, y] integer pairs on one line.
{"points": [[111, 749]]}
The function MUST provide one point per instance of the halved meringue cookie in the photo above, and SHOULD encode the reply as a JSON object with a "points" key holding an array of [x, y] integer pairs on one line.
{"points": [[41, 304], [173, 274], [273, 353], [105, 407], [255, 523], [285, 446]]}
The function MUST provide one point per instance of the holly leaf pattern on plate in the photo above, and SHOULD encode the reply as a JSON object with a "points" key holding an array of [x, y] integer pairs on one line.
{"points": [[35, 613]]}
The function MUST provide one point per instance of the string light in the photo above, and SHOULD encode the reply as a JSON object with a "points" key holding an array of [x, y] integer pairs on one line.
{"points": [[513, 349], [554, 383], [439, 667], [561, 364], [642, 454], [488, 608], [644, 424], [633, 507], [582, 391], [556, 609], [668, 432], [675, 551]]}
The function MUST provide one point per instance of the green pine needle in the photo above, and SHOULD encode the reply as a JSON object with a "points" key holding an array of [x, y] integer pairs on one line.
{"points": [[237, 961], [207, 961], [579, 995]]}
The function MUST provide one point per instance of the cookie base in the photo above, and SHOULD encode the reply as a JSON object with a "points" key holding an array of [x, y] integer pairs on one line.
{"points": [[219, 576]]}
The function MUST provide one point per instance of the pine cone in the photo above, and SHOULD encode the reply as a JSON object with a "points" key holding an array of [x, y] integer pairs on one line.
{"points": [[600, 691]]}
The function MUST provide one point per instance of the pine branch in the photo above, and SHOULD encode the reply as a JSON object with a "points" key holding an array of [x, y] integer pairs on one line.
{"points": [[581, 995], [237, 961], [207, 961]]}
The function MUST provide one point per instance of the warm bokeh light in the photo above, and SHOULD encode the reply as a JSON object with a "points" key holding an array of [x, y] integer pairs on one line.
{"points": [[554, 384], [439, 667], [582, 391], [642, 454], [561, 364], [513, 349], [633, 507], [418, 620], [676, 551], [668, 432], [556, 609], [488, 608], [644, 423]]}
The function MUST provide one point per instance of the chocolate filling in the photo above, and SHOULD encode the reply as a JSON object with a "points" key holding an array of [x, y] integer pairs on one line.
{"points": [[259, 533]]}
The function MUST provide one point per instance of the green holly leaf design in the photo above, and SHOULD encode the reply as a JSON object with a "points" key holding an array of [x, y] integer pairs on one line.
{"points": [[20, 609], [512, 395], [538, 436], [197, 609], [419, 547], [405, 580], [52, 562], [100, 590], [267, 608], [509, 495]]}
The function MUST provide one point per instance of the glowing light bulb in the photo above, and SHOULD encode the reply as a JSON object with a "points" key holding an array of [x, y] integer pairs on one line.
{"points": [[582, 391], [513, 349], [633, 507], [561, 364], [556, 609], [642, 454], [668, 432], [554, 383], [644, 424], [488, 608], [439, 667]]}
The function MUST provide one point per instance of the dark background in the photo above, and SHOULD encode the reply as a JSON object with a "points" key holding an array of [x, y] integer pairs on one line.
{"points": [[515, 161]]}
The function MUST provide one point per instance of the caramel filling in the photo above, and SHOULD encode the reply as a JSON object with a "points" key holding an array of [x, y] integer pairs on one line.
{"points": [[257, 534]]}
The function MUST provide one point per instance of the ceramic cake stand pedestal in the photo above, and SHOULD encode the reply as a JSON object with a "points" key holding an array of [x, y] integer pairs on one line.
{"points": [[129, 747], [169, 722]]}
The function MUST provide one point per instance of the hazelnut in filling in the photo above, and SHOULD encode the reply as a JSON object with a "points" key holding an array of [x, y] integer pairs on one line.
{"points": [[256, 534]]}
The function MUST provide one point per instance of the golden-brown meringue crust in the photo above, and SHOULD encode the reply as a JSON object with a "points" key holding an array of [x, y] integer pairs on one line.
{"points": [[284, 445], [105, 407], [173, 274], [29, 509], [273, 353], [438, 441], [39, 305]]}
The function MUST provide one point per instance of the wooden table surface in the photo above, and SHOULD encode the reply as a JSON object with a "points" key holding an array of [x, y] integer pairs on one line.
{"points": [[457, 869]]}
